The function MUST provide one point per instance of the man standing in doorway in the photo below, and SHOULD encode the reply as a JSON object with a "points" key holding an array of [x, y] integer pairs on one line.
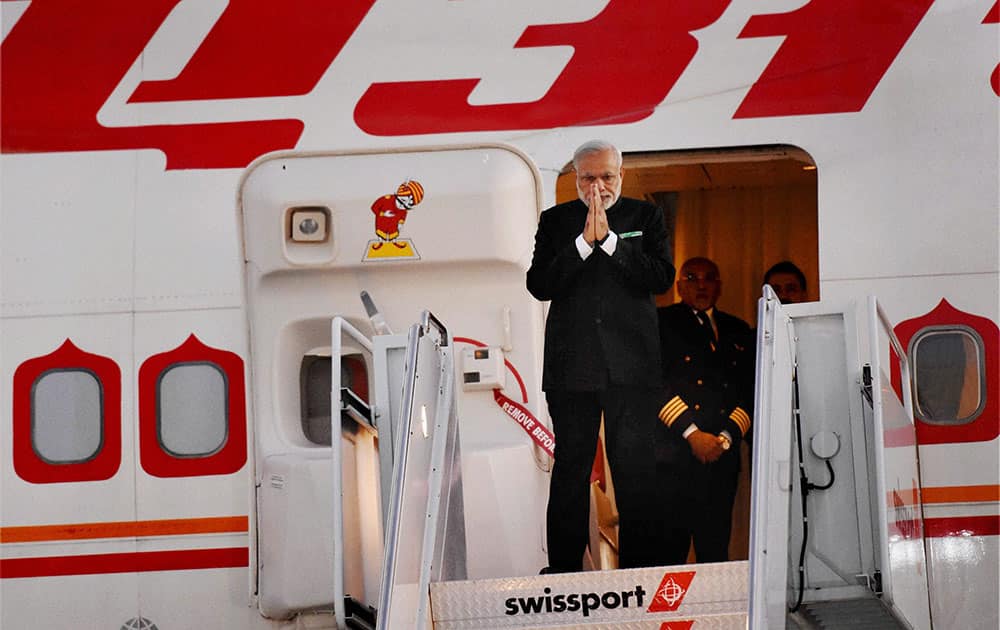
{"points": [[600, 259], [708, 379], [788, 282]]}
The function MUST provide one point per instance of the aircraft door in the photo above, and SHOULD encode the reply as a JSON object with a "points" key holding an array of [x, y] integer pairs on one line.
{"points": [[444, 229], [772, 465]]}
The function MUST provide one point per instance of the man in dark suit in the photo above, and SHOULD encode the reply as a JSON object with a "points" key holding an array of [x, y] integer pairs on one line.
{"points": [[599, 260], [708, 379]]}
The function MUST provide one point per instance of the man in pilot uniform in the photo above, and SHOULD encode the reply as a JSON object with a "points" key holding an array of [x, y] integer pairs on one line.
{"points": [[708, 382]]}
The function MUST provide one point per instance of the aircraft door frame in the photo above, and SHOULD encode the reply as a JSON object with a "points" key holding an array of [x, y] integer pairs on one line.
{"points": [[318, 230]]}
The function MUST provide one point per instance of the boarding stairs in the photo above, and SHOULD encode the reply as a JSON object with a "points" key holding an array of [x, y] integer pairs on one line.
{"points": [[795, 578]]}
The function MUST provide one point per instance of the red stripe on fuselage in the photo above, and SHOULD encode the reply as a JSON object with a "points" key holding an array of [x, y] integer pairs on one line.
{"points": [[125, 562], [962, 526]]}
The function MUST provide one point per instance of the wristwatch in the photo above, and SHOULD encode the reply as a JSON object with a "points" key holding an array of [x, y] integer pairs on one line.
{"points": [[726, 442]]}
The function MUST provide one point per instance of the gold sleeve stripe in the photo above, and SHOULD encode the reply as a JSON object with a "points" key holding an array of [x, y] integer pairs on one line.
{"points": [[672, 410], [742, 419]]}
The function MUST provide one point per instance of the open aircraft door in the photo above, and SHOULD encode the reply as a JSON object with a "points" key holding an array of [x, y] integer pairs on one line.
{"points": [[837, 529], [342, 249]]}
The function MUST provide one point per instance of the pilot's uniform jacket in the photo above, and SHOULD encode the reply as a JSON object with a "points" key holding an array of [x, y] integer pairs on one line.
{"points": [[709, 383]]}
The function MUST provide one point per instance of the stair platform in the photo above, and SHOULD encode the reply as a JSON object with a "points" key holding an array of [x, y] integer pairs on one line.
{"points": [[696, 596]]}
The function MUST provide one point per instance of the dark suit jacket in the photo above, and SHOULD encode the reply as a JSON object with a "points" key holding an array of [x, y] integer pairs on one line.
{"points": [[601, 326], [710, 388]]}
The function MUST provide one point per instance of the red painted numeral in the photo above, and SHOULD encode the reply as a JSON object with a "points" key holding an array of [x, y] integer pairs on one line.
{"points": [[262, 49], [625, 61], [993, 17], [57, 74], [834, 54]]}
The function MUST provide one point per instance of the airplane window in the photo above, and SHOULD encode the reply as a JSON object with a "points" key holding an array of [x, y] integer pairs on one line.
{"points": [[948, 375], [314, 380], [192, 418], [66, 418]]}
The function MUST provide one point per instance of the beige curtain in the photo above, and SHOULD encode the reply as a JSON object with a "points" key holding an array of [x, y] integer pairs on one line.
{"points": [[745, 231]]}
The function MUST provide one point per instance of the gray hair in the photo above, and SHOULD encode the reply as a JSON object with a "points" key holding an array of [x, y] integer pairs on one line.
{"points": [[596, 146]]}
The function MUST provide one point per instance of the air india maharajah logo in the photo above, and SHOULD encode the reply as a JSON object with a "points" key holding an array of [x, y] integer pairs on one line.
{"points": [[390, 214]]}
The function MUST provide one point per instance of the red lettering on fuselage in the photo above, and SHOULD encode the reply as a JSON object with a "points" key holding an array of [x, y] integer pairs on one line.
{"points": [[632, 53], [263, 49], [64, 58], [993, 17], [834, 54]]}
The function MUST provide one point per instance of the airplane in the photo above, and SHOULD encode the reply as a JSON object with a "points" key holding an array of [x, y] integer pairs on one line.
{"points": [[221, 221]]}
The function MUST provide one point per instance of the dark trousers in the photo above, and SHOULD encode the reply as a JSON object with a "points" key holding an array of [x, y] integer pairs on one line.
{"points": [[697, 503], [713, 512], [675, 503], [629, 420]]}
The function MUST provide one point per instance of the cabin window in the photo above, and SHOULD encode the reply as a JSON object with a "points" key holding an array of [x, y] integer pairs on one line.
{"points": [[191, 407], [314, 379], [67, 425], [948, 374]]}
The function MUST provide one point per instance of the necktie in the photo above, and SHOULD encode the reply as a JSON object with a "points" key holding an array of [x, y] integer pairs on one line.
{"points": [[707, 325]]}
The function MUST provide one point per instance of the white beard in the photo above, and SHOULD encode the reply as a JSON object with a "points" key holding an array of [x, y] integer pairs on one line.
{"points": [[607, 201]]}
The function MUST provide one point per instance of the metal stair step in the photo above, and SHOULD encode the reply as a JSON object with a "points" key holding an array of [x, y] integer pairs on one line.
{"points": [[855, 614]]}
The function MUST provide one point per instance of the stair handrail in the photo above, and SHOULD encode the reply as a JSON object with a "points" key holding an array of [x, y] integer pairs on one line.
{"points": [[442, 417], [339, 326], [399, 467], [879, 320]]}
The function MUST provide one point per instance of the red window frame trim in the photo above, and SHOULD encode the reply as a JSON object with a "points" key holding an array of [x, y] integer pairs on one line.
{"points": [[986, 426], [28, 463], [153, 456]]}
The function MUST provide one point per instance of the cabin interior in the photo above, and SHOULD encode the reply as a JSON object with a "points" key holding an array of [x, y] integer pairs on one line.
{"points": [[745, 208]]}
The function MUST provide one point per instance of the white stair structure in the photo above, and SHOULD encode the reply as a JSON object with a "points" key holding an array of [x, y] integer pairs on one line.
{"points": [[423, 583], [384, 514], [845, 533], [847, 549]]}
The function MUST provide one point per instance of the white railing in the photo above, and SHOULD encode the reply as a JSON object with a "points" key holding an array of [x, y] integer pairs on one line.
{"points": [[425, 475], [338, 327]]}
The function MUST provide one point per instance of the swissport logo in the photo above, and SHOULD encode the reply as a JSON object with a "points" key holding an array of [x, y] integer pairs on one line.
{"points": [[670, 593], [584, 603]]}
